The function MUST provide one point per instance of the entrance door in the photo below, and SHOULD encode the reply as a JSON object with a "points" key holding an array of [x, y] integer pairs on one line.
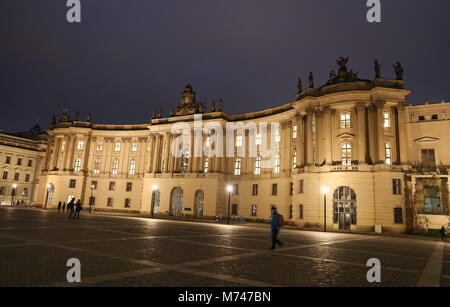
{"points": [[344, 208], [198, 203], [176, 201]]}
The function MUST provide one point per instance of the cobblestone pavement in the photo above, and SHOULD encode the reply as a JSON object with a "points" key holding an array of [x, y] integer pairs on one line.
{"points": [[128, 251]]}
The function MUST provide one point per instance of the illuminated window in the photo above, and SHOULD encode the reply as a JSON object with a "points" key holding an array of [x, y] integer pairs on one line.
{"points": [[346, 154], [239, 141], [345, 120], [63, 146], [134, 147], [206, 165], [117, 147], [25, 192], [276, 168], [27, 178], [184, 162], [237, 166], [80, 145], [277, 136], [295, 160], [97, 167], [388, 154], [258, 166], [100, 146], [258, 139], [208, 142], [77, 165], [313, 124], [386, 120], [132, 167], [115, 167], [254, 210], [294, 132]]}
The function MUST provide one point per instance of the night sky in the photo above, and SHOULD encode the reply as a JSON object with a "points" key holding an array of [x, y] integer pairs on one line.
{"points": [[128, 56]]}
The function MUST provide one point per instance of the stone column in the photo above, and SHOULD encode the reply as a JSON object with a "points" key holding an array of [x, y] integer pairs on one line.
{"points": [[309, 138], [381, 157], [299, 141], [157, 154], [327, 135], [167, 138], [402, 134], [361, 132]]}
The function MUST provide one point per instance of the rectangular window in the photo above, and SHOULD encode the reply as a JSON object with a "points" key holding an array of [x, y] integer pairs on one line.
{"points": [[345, 121], [388, 154], [237, 167], [100, 146], [117, 147], [27, 178], [134, 147], [236, 189], [5, 175], [277, 136], [397, 186], [77, 166], [239, 141], [294, 132], [276, 168], [301, 212], [112, 186], [206, 166], [94, 185], [346, 154], [428, 160], [129, 186], [258, 139], [30, 163], [72, 183], [258, 166], [313, 125], [19, 161], [386, 119], [254, 210], [133, 167], [274, 189], [234, 209], [398, 215], [80, 145], [97, 167], [255, 190], [8, 160], [295, 160], [432, 200], [115, 167], [301, 186], [16, 177], [291, 190], [2, 190], [110, 202], [127, 203]]}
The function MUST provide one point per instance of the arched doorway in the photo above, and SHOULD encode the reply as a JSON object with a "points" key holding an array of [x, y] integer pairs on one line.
{"points": [[50, 193], [344, 207], [176, 201], [198, 203], [154, 209]]}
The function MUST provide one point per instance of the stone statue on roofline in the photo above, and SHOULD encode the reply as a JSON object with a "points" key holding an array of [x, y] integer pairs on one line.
{"points": [[64, 116], [299, 86], [377, 69], [220, 105], [213, 107], [311, 80], [398, 71]]}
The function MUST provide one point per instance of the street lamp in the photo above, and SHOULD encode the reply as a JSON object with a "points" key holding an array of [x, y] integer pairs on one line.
{"points": [[229, 189], [13, 193], [154, 188], [325, 192]]}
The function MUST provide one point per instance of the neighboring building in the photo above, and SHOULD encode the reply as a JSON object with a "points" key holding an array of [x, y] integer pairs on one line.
{"points": [[21, 155], [384, 162]]}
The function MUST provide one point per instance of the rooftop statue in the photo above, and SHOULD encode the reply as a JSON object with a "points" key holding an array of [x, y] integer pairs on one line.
{"points": [[65, 116], [377, 69], [399, 71], [213, 107], [311, 80], [77, 116], [154, 113], [299, 86], [342, 62], [220, 105]]}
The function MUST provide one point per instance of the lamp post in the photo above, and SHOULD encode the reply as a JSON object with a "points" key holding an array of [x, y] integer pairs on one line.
{"points": [[229, 189], [13, 193], [325, 192], [154, 188]]}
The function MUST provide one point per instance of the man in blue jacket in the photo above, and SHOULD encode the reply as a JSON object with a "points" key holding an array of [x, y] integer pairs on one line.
{"points": [[275, 228]]}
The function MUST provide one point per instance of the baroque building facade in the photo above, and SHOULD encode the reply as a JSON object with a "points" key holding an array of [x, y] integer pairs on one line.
{"points": [[382, 162]]}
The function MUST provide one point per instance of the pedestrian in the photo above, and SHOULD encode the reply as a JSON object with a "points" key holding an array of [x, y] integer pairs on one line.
{"points": [[443, 233], [64, 206], [277, 222], [59, 206], [70, 207], [78, 208]]}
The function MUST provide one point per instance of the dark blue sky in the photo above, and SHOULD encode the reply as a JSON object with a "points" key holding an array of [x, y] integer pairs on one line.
{"points": [[128, 56]]}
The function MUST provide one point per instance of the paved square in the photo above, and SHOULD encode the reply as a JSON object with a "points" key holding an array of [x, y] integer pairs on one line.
{"points": [[128, 251]]}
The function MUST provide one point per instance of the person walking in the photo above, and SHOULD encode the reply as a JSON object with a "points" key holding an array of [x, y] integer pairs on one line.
{"points": [[70, 207], [59, 206], [78, 208], [64, 206], [277, 222], [442, 231]]}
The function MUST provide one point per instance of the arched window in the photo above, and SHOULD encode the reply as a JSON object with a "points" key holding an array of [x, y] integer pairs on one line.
{"points": [[388, 154], [115, 167], [237, 166], [77, 165], [132, 167], [346, 154], [258, 166]]}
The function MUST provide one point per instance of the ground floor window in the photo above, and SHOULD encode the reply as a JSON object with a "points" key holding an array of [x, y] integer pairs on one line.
{"points": [[398, 215], [254, 210], [432, 200], [234, 209], [301, 212], [110, 202]]}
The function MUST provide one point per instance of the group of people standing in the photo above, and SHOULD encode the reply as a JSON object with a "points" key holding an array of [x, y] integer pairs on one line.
{"points": [[72, 208]]}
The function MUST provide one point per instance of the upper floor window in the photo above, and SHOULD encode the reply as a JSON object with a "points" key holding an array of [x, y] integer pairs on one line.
{"points": [[100, 146], [16, 176], [132, 167], [206, 165], [208, 142], [97, 167], [258, 166], [27, 178], [115, 167], [80, 145], [30, 163], [5, 175], [313, 125], [255, 190], [388, 154], [346, 154], [77, 166], [274, 189], [345, 120], [112, 186], [295, 160], [294, 132], [134, 147], [434, 117], [276, 168], [19, 161], [129, 186], [300, 189], [63, 146], [184, 162], [8, 160], [117, 147], [428, 159], [258, 139], [237, 166], [277, 136], [386, 120], [239, 141], [72, 183]]}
